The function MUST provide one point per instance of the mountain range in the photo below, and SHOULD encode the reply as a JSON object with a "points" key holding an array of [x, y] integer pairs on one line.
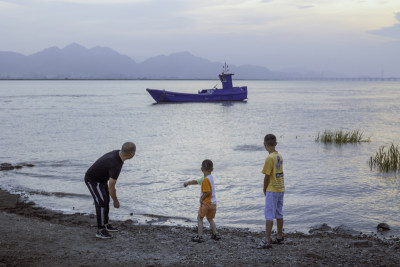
{"points": [[77, 62]]}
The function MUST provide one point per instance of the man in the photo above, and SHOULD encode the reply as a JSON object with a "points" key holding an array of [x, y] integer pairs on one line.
{"points": [[101, 178]]}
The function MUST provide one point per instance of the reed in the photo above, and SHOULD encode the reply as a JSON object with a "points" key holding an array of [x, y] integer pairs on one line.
{"points": [[386, 160], [341, 137]]}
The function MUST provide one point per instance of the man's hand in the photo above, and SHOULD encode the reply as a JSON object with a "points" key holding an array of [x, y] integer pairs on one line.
{"points": [[185, 184], [116, 204], [113, 192]]}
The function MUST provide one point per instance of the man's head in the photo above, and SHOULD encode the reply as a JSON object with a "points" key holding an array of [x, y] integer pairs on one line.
{"points": [[128, 150]]}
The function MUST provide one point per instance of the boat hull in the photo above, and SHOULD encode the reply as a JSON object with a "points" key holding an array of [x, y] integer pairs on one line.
{"points": [[210, 95]]}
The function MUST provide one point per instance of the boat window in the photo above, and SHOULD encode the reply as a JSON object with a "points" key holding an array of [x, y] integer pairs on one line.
{"points": [[222, 78]]}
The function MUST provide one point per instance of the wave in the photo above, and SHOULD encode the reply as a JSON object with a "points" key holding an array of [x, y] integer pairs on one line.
{"points": [[249, 148], [165, 218], [56, 194], [49, 96]]}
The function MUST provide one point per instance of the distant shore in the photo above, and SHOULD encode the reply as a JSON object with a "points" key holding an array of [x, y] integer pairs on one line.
{"points": [[33, 236], [385, 79]]}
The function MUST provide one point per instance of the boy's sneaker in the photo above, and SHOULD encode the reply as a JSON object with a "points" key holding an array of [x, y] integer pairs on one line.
{"points": [[264, 245], [278, 241], [110, 228], [198, 239], [215, 236], [103, 233]]}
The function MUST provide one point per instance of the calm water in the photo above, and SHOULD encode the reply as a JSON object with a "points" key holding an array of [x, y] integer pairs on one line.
{"points": [[64, 126]]}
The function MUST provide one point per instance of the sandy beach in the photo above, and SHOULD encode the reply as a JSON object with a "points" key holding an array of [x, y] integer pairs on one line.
{"points": [[33, 236]]}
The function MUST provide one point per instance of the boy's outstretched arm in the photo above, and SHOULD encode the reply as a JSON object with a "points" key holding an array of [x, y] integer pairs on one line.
{"points": [[192, 182]]}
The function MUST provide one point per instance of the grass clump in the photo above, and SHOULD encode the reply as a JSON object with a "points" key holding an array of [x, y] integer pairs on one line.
{"points": [[341, 137], [386, 161]]}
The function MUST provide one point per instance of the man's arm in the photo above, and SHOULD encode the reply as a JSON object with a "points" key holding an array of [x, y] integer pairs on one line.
{"points": [[113, 192], [266, 183]]}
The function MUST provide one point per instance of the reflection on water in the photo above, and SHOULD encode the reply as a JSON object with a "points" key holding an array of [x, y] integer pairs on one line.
{"points": [[67, 125]]}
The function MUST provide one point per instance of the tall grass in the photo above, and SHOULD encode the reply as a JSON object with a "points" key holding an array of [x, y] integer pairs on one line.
{"points": [[386, 161], [341, 137]]}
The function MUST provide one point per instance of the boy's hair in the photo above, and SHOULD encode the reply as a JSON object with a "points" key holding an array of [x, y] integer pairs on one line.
{"points": [[207, 164], [270, 140]]}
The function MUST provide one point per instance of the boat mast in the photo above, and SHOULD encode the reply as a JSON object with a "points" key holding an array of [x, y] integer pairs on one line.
{"points": [[225, 68], [226, 77]]}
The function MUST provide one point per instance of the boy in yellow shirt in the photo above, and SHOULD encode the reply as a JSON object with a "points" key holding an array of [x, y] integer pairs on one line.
{"points": [[274, 190], [208, 201]]}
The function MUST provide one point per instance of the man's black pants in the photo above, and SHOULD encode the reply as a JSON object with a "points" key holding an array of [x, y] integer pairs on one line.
{"points": [[101, 196]]}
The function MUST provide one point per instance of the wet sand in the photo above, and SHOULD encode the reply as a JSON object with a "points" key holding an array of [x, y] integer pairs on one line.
{"points": [[33, 236]]}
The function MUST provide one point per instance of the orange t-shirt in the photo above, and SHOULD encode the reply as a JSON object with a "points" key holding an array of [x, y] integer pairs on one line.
{"points": [[206, 187]]}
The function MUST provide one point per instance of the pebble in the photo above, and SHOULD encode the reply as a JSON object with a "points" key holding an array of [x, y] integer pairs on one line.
{"points": [[362, 244]]}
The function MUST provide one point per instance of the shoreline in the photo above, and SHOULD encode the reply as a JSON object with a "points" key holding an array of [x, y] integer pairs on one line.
{"points": [[34, 236]]}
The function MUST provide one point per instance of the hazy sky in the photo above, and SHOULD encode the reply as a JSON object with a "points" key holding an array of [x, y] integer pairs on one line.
{"points": [[346, 36]]}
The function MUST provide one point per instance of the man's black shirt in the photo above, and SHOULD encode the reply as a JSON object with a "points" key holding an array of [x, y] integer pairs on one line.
{"points": [[109, 165]]}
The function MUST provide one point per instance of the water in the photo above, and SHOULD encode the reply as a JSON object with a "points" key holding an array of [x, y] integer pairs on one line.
{"points": [[62, 127]]}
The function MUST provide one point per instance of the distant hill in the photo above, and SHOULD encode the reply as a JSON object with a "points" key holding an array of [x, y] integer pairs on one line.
{"points": [[74, 61], [77, 62]]}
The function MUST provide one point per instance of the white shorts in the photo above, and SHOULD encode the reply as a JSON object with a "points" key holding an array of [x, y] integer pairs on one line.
{"points": [[273, 205]]}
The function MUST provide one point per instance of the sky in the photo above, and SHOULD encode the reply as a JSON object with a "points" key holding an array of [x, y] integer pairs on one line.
{"points": [[350, 37]]}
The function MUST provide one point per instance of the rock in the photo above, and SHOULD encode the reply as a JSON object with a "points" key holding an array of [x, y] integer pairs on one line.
{"points": [[320, 228], [345, 230], [362, 244], [6, 167], [311, 253], [28, 165], [251, 239], [383, 227]]}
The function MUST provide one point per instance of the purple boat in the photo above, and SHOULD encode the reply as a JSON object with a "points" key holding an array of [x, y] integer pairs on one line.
{"points": [[227, 93]]}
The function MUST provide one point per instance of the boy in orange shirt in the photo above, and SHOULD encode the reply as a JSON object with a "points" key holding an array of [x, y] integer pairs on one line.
{"points": [[208, 201]]}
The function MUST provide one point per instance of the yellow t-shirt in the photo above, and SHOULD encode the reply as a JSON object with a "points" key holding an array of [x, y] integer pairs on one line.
{"points": [[274, 168]]}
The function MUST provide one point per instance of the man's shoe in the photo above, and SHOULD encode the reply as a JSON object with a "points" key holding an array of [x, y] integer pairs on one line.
{"points": [[110, 228], [103, 233]]}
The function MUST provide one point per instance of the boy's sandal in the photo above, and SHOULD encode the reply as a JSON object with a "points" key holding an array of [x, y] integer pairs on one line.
{"points": [[216, 236], [198, 239], [278, 241], [263, 245]]}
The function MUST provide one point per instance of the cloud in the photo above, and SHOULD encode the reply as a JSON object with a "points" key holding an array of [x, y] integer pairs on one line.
{"points": [[391, 31], [4, 5], [305, 7], [97, 2]]}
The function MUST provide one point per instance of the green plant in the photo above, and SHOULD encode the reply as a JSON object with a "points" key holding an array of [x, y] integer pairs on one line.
{"points": [[341, 137], [386, 161]]}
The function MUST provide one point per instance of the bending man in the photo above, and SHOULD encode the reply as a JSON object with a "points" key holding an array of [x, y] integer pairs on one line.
{"points": [[101, 178]]}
